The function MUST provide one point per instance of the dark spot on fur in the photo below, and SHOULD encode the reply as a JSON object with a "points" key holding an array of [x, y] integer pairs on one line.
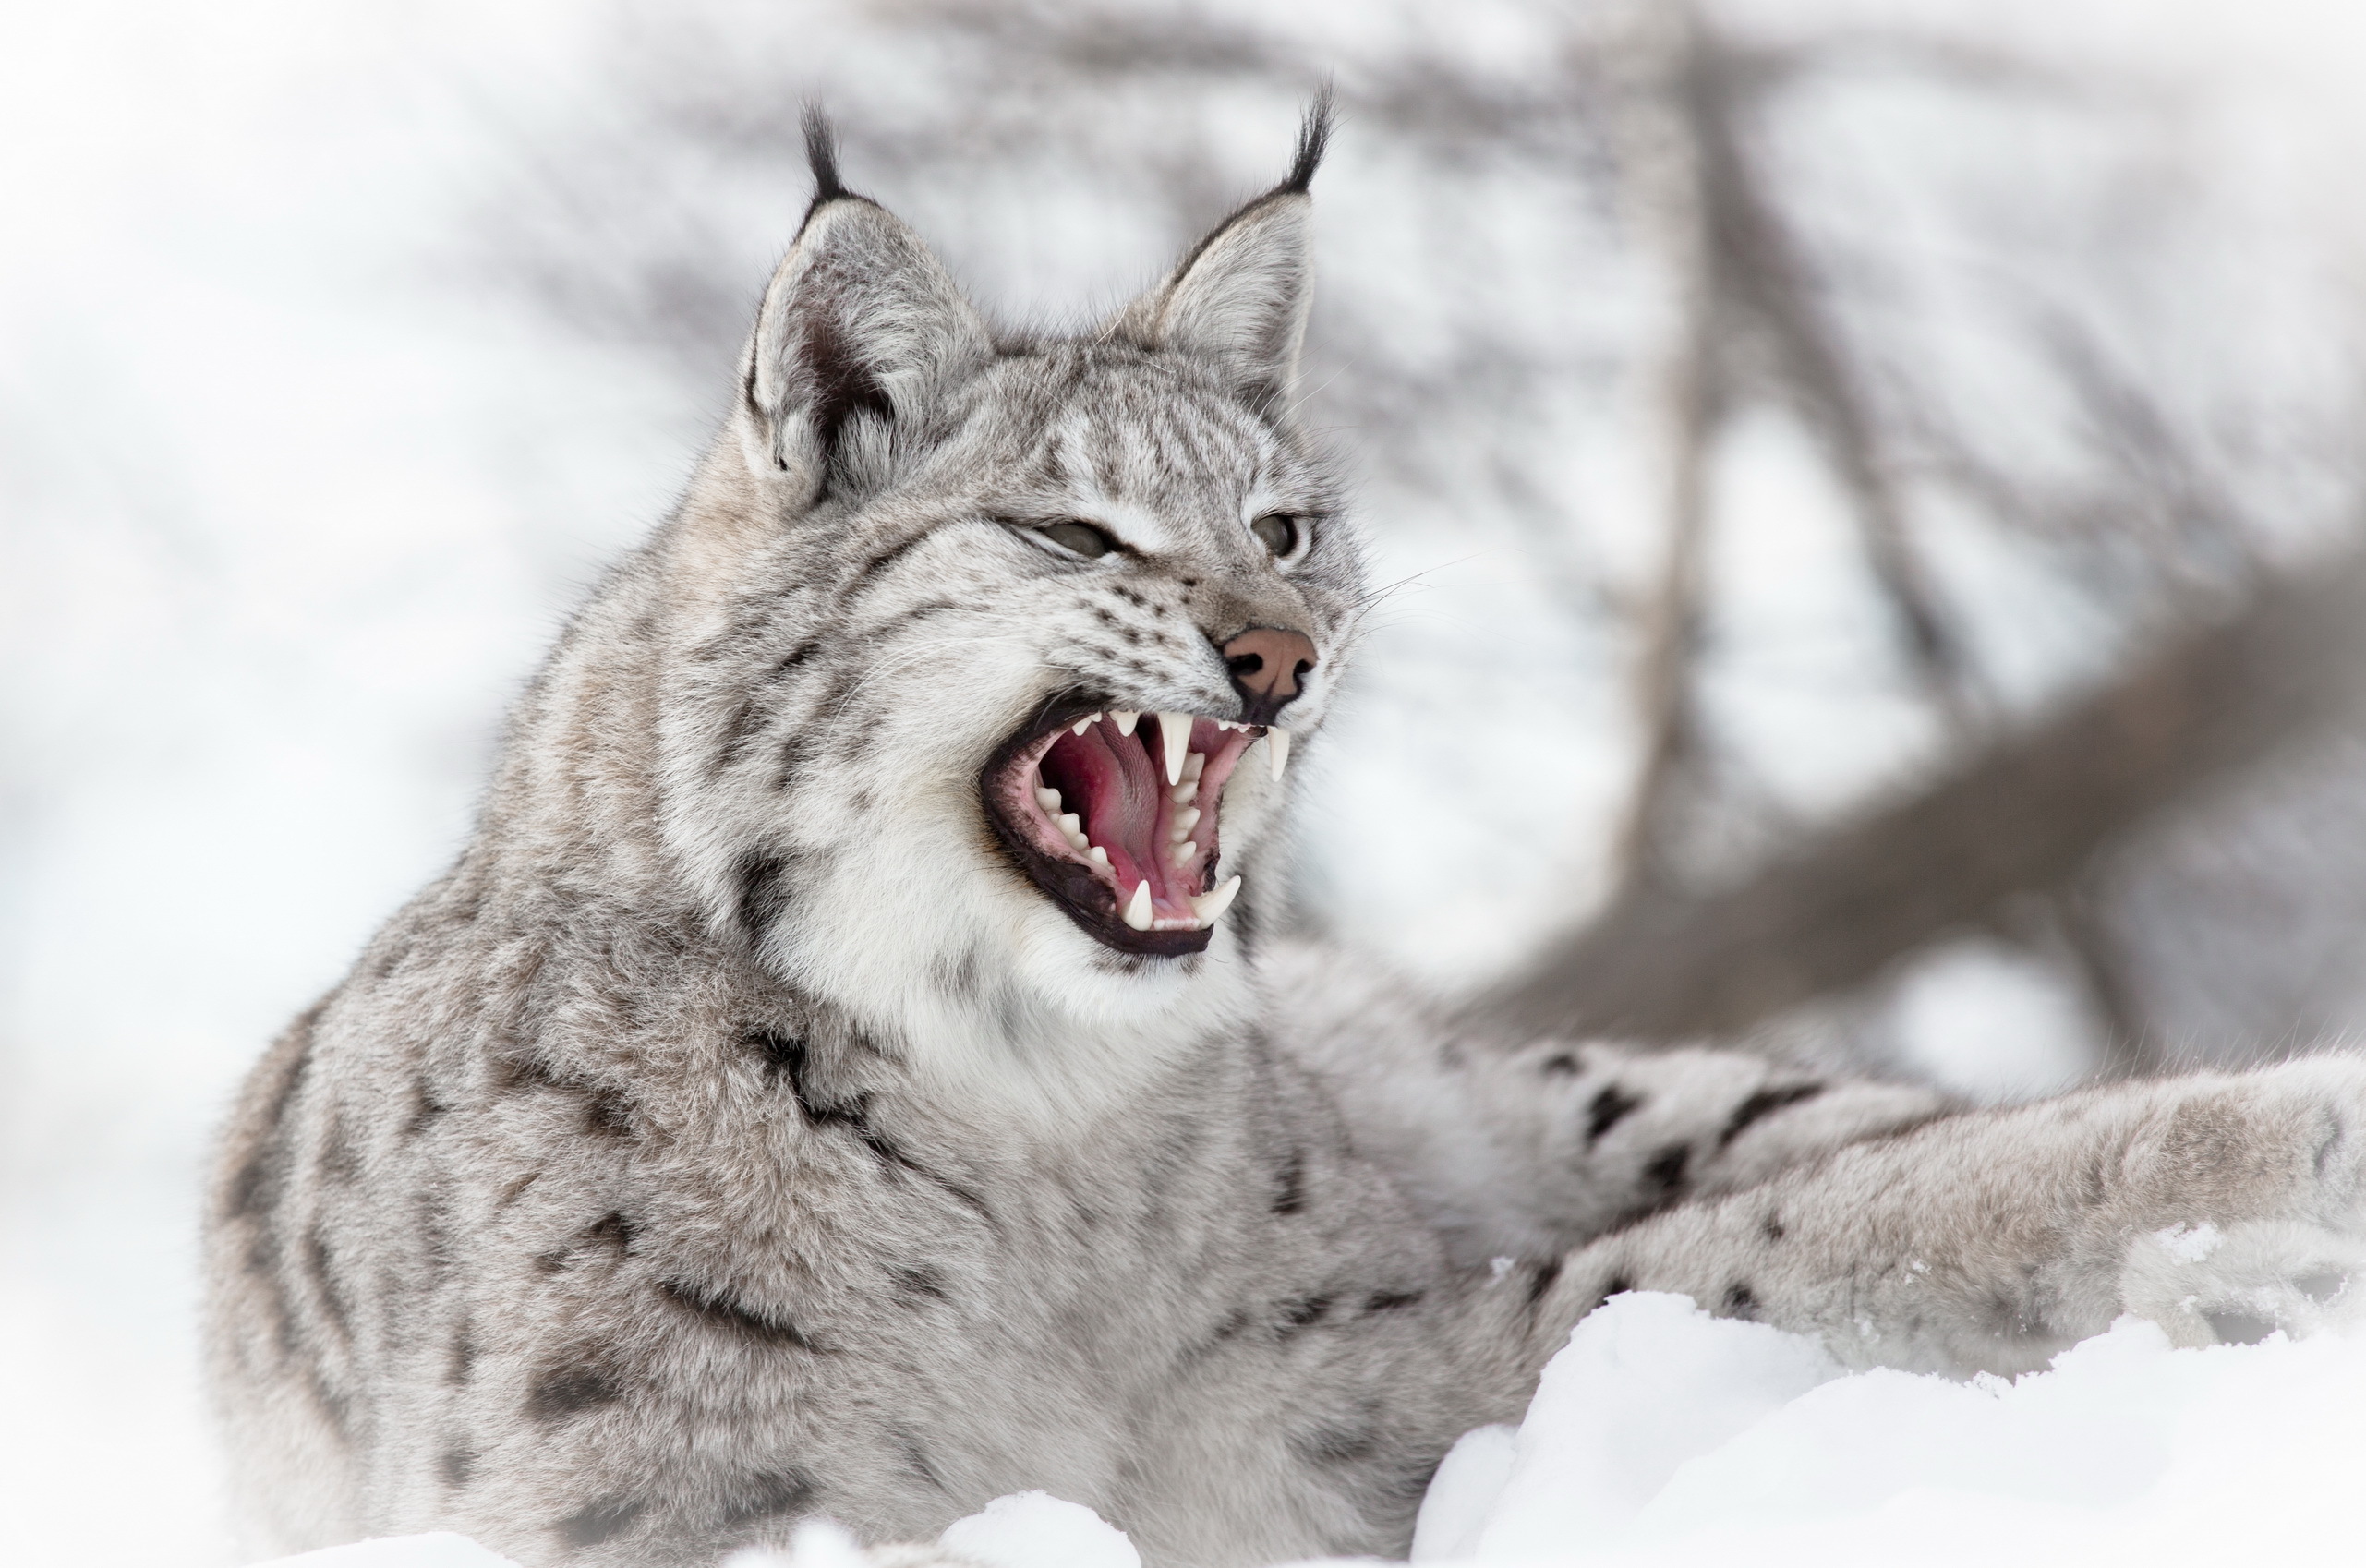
{"points": [[921, 1280], [1610, 1107], [333, 1402], [1542, 1281], [1341, 1443], [455, 1466], [791, 659], [1289, 1183], [601, 1523], [1765, 1103], [1771, 1228], [1235, 1322], [1559, 1062], [886, 558], [1390, 1300], [464, 1354], [609, 1113], [720, 1310], [1740, 1302], [516, 1071], [562, 1392], [611, 1229], [427, 1109], [321, 1267], [769, 1496], [762, 897], [917, 1460], [1305, 1312], [339, 1160], [1666, 1171], [746, 720], [783, 1055]]}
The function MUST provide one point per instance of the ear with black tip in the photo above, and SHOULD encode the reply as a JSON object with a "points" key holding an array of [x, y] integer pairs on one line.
{"points": [[1239, 299], [860, 330]]}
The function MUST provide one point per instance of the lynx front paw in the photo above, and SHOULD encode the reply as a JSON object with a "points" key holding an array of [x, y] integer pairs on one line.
{"points": [[2236, 1286]]}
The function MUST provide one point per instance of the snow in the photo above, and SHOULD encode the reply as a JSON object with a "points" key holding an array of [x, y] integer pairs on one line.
{"points": [[1662, 1437]]}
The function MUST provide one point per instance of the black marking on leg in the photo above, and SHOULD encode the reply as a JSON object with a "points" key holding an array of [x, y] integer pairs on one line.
{"points": [[1740, 1302], [1610, 1107], [1765, 1103], [570, 1389], [1343, 1442], [1771, 1227], [426, 1108], [769, 1496], [609, 1113], [1392, 1300], [1666, 1171], [454, 1466], [746, 720], [722, 1311], [332, 1403], [1305, 1311], [763, 898], [464, 1354], [917, 1460], [601, 1523], [1560, 1062], [1542, 1279], [1289, 1183]]}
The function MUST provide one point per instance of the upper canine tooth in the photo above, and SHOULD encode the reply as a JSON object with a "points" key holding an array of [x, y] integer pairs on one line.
{"points": [[1049, 800], [1174, 733], [1138, 909], [1209, 905], [1126, 721], [1278, 756]]}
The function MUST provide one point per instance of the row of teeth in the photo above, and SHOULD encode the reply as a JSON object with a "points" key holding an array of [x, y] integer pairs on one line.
{"points": [[1175, 734], [1205, 907]]}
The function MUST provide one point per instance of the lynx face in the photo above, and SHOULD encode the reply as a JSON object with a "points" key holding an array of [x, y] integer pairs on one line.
{"points": [[1005, 643]]}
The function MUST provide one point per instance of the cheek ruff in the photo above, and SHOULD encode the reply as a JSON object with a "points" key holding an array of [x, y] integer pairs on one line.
{"points": [[1114, 814]]}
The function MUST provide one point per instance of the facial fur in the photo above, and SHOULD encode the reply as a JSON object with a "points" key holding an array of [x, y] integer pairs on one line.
{"points": [[875, 606]]}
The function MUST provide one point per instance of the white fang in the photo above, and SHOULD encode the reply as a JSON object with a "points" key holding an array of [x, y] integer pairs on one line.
{"points": [[1279, 757], [1174, 733], [1138, 909], [1210, 905]]}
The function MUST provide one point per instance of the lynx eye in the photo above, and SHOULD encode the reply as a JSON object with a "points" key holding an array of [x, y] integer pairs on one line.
{"points": [[1279, 531], [1080, 539]]}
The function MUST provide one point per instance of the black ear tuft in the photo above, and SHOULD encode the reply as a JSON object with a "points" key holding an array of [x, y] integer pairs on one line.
{"points": [[821, 156], [1314, 139]]}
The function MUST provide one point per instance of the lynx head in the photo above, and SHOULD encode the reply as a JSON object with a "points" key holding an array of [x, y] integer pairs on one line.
{"points": [[1002, 643]]}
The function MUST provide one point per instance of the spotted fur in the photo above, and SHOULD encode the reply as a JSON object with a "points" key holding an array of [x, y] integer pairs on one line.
{"points": [[736, 1134]]}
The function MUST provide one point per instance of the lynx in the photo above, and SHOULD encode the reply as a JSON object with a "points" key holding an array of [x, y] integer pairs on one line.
{"points": [[855, 1071]]}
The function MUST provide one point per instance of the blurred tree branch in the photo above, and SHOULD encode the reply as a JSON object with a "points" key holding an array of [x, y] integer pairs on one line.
{"points": [[2029, 814]]}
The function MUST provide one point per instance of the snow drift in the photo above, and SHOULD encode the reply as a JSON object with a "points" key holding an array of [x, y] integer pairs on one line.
{"points": [[1663, 1437]]}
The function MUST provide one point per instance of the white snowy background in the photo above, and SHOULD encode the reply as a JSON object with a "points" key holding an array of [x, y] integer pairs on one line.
{"points": [[296, 485]]}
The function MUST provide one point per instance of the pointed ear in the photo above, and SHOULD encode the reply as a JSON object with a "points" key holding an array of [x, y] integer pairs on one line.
{"points": [[1240, 298], [860, 330]]}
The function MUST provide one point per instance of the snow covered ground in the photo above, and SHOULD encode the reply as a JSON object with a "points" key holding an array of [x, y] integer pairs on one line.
{"points": [[1663, 1437]]}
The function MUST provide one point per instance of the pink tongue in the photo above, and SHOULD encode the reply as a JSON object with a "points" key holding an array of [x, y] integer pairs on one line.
{"points": [[1112, 787]]}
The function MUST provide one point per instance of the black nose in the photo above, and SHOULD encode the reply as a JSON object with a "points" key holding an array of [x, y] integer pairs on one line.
{"points": [[1269, 667]]}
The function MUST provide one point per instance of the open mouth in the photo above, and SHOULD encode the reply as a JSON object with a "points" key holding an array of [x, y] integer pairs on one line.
{"points": [[1115, 816]]}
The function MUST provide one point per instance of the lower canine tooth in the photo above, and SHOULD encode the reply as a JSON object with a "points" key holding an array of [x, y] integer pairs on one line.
{"points": [[1138, 909], [1175, 734], [1277, 757], [1208, 906]]}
